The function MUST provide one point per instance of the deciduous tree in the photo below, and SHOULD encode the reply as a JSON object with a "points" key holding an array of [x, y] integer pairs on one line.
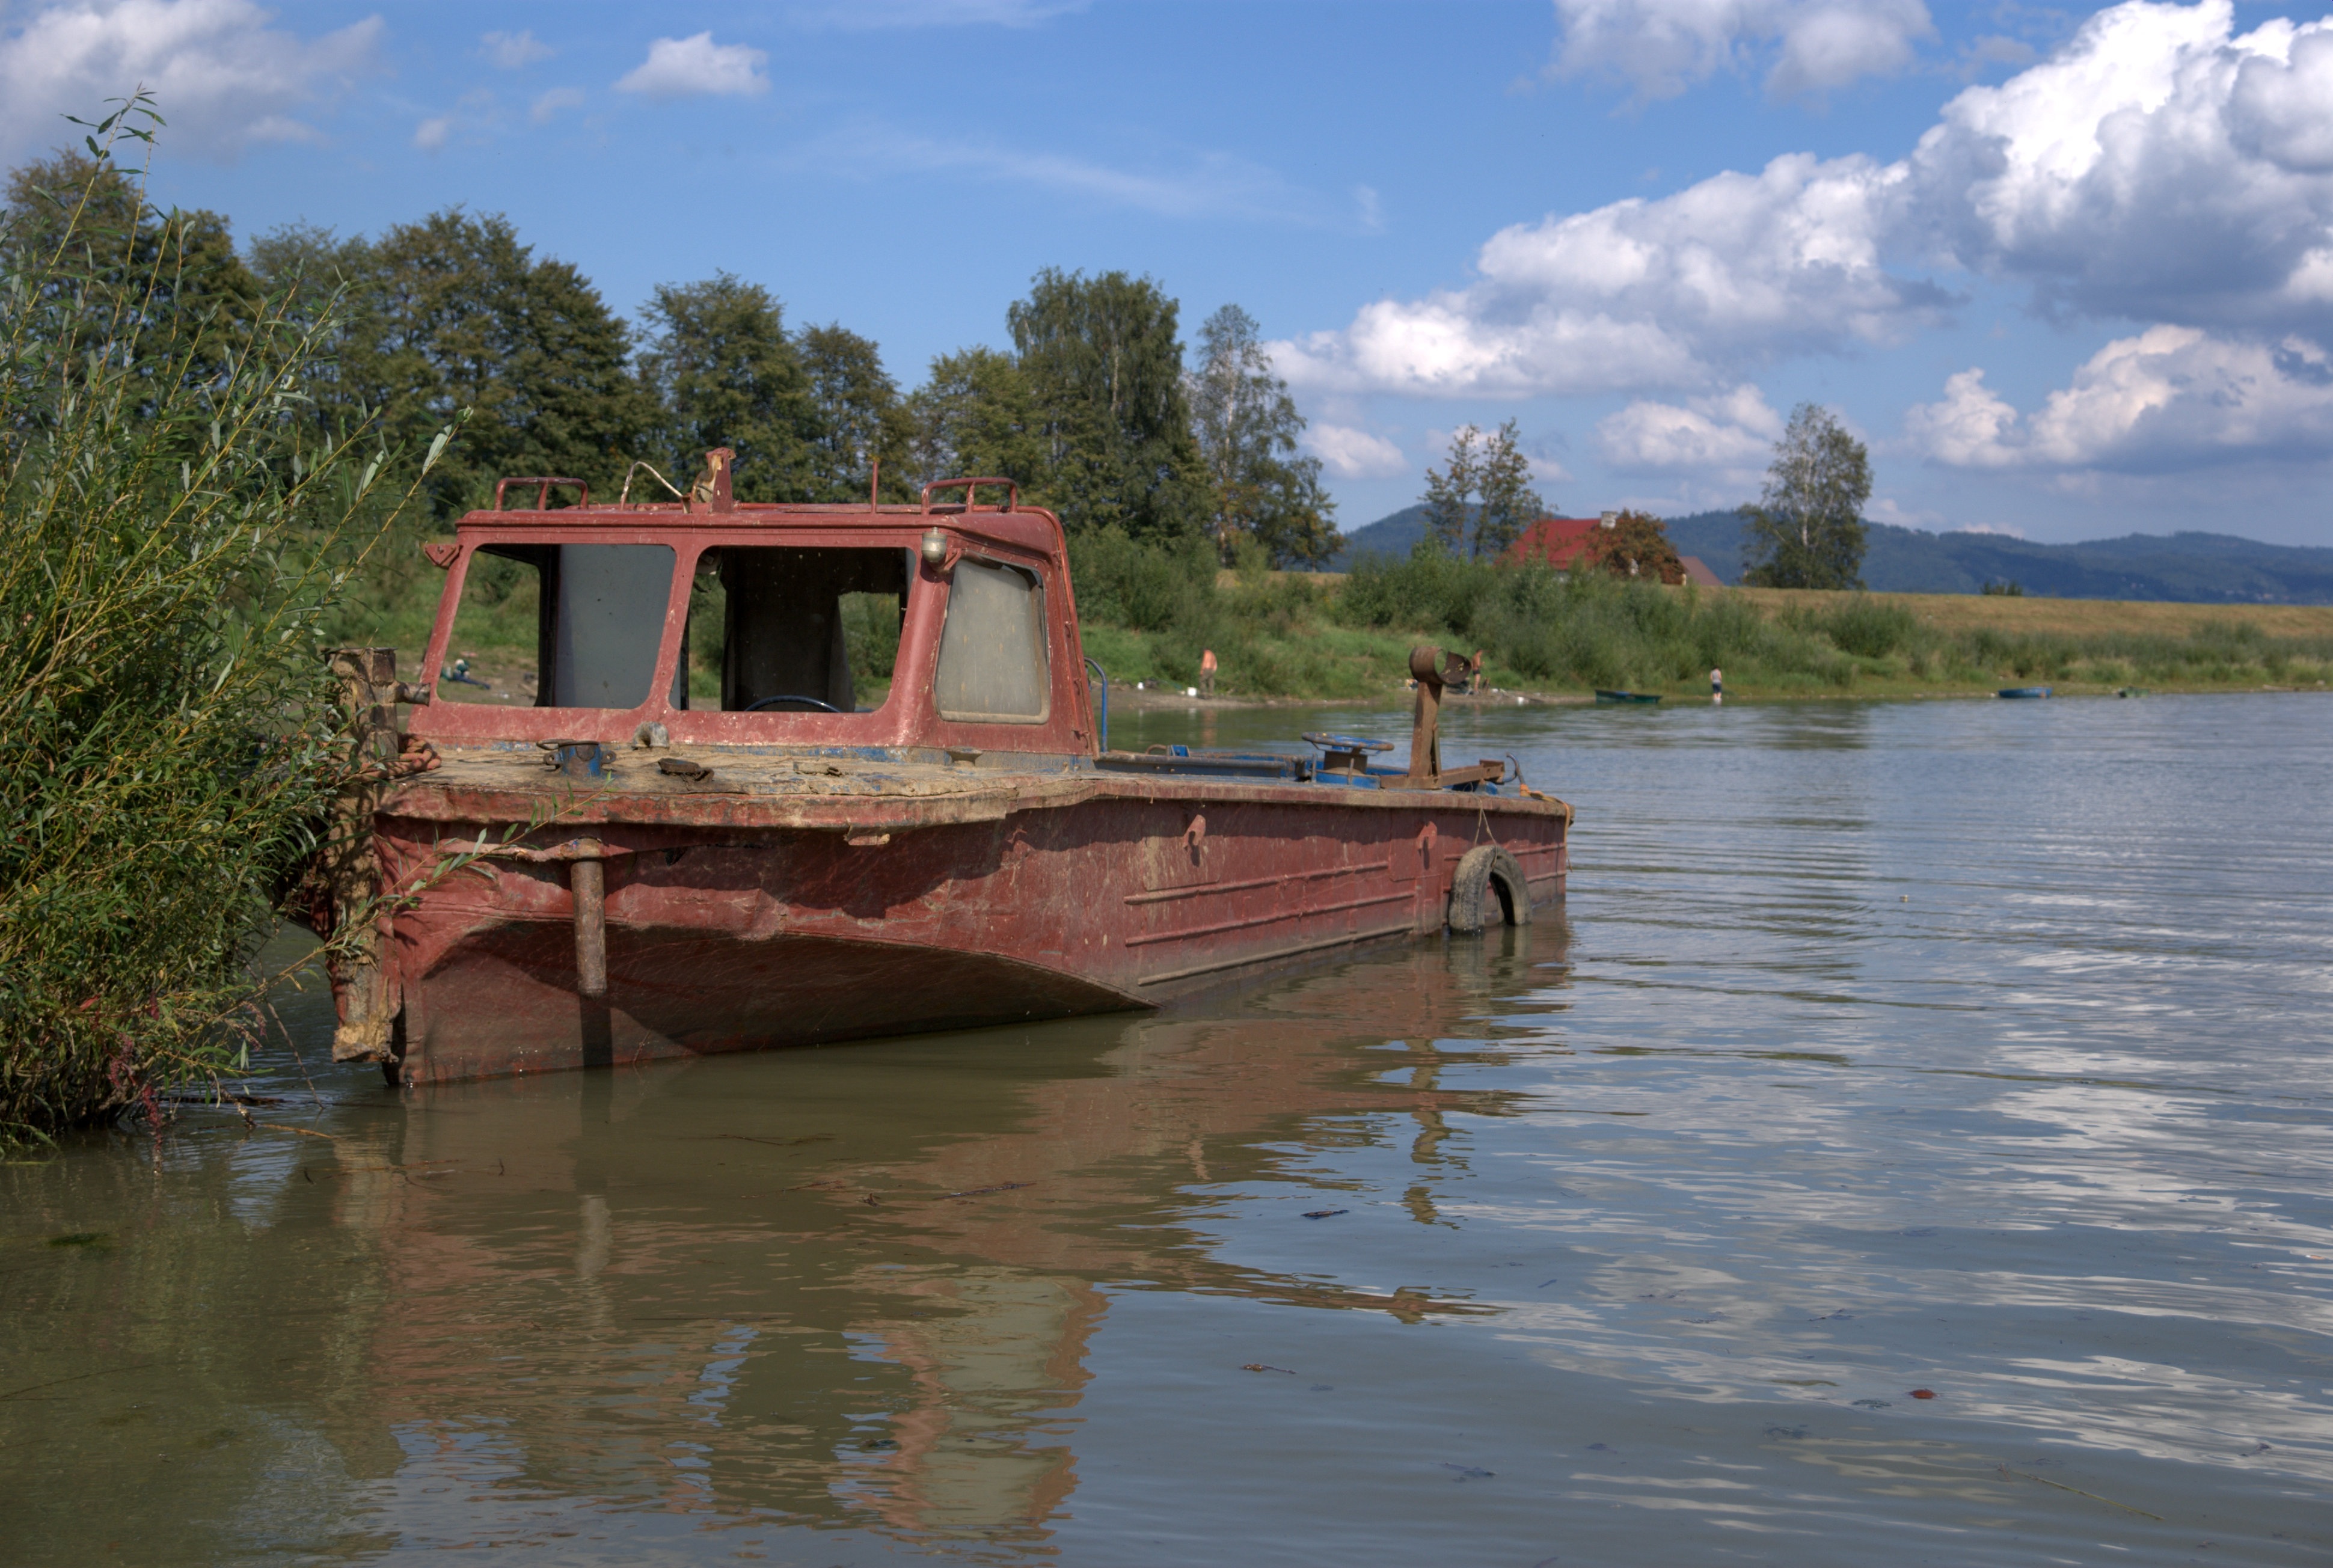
{"points": [[1482, 497], [975, 417], [85, 222], [1261, 487], [1105, 373], [721, 366], [1450, 490], [322, 280], [459, 313], [1510, 503], [1637, 545], [1807, 529], [861, 418]]}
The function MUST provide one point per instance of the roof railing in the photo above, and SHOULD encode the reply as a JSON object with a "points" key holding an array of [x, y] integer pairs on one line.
{"points": [[971, 487], [543, 491]]}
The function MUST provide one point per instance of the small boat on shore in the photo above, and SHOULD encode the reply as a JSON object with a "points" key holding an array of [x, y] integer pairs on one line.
{"points": [[638, 865], [2022, 693], [1626, 698]]}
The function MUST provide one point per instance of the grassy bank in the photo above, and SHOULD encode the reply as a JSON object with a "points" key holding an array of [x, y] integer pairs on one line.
{"points": [[1293, 635], [1149, 613]]}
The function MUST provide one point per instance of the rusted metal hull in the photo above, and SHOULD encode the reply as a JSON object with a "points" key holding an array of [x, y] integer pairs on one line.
{"points": [[614, 873], [735, 923]]}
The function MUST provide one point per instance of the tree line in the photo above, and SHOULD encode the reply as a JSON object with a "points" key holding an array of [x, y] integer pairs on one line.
{"points": [[1093, 410], [1805, 529]]}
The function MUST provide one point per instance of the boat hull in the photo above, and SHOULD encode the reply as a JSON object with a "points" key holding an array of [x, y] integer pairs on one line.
{"points": [[1086, 897]]}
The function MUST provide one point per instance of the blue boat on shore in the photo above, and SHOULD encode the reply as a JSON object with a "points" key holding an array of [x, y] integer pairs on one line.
{"points": [[1626, 698], [2024, 691]]}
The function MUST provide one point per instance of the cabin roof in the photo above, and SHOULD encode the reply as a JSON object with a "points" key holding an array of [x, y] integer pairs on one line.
{"points": [[1027, 527]]}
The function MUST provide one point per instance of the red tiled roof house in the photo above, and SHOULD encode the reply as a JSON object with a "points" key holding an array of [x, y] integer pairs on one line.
{"points": [[1558, 541]]}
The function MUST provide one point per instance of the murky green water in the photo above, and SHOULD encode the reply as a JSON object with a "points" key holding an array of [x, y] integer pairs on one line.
{"points": [[1973, 1048]]}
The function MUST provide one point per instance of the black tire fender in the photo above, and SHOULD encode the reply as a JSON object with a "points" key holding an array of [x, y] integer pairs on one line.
{"points": [[1488, 886]]}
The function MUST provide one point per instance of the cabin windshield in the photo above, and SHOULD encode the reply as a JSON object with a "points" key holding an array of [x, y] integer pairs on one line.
{"points": [[992, 667], [784, 628], [559, 625]]}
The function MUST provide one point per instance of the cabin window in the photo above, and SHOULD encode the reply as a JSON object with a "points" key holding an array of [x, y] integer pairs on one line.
{"points": [[795, 630], [559, 625], [609, 624], [992, 667]]}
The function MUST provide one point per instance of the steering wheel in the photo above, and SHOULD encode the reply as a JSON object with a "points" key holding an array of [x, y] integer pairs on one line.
{"points": [[816, 705]]}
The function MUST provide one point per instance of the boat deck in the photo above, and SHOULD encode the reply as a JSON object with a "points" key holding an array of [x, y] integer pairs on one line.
{"points": [[774, 788]]}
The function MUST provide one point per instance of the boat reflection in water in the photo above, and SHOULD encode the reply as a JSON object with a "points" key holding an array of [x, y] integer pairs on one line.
{"points": [[859, 1287]]}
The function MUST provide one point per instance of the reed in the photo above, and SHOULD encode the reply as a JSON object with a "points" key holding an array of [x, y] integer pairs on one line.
{"points": [[174, 537], [1593, 630]]}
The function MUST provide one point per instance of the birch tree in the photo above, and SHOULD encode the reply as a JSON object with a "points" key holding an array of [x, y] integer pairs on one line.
{"points": [[1807, 529]]}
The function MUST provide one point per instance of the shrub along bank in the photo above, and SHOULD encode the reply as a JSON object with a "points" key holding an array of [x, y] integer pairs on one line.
{"points": [[171, 538], [1149, 613]]}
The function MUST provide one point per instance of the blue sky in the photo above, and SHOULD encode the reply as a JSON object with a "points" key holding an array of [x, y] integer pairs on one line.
{"points": [[2068, 272]]}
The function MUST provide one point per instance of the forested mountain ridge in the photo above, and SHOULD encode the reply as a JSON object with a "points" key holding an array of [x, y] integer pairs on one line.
{"points": [[2187, 567]]}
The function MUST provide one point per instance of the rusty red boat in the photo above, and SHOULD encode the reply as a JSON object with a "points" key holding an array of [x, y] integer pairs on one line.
{"points": [[620, 867]]}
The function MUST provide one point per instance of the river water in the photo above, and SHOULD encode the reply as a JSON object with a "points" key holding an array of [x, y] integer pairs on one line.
{"points": [[1977, 1049]]}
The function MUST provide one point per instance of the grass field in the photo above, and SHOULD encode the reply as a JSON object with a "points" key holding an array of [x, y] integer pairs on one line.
{"points": [[1956, 612]]}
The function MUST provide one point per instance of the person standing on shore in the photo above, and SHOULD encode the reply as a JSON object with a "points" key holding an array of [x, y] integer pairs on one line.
{"points": [[1717, 689], [1206, 672]]}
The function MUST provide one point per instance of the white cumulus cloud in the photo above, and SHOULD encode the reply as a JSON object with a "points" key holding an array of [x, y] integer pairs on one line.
{"points": [[2170, 396], [696, 67], [1970, 428], [220, 75], [2159, 167], [1675, 293], [1351, 453], [1732, 432], [1661, 47]]}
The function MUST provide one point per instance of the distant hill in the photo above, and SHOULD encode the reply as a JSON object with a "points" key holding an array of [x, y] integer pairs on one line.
{"points": [[2186, 568], [1389, 536]]}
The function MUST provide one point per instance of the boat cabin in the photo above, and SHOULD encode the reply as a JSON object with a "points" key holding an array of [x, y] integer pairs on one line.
{"points": [[880, 799], [735, 623]]}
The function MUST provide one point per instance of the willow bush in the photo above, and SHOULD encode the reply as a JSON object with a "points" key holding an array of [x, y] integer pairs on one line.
{"points": [[173, 536]]}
